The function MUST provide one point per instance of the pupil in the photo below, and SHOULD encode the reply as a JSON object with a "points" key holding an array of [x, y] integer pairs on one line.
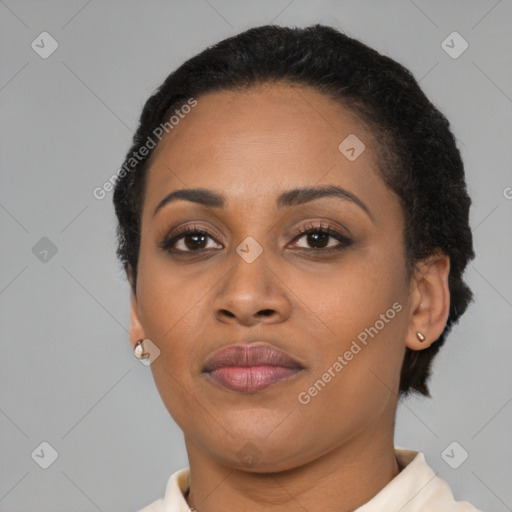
{"points": [[198, 240], [318, 238]]}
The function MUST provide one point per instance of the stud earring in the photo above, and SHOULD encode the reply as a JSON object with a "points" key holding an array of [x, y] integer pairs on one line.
{"points": [[420, 337], [139, 351]]}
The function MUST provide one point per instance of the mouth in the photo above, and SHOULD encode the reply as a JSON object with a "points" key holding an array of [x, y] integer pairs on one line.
{"points": [[251, 367]]}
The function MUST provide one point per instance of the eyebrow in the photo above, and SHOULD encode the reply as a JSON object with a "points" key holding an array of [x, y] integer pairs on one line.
{"points": [[296, 196]]}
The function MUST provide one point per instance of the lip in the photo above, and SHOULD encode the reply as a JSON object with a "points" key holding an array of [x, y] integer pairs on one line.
{"points": [[250, 367]]}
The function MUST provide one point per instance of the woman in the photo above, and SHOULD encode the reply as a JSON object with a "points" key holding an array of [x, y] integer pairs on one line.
{"points": [[293, 221]]}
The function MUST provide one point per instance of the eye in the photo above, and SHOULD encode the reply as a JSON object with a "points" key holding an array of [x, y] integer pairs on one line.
{"points": [[322, 237], [189, 239]]}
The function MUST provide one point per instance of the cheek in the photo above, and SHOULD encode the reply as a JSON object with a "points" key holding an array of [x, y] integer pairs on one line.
{"points": [[355, 293], [355, 379], [362, 313], [168, 305]]}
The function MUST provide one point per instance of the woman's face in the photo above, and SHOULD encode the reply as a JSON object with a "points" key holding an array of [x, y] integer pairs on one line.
{"points": [[337, 304]]}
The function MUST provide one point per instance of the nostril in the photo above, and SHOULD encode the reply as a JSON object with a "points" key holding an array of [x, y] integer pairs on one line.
{"points": [[266, 312]]}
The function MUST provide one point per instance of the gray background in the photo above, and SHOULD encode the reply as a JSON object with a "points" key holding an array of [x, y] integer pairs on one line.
{"points": [[68, 376]]}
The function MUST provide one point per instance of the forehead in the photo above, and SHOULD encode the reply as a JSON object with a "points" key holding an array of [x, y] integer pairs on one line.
{"points": [[267, 138]]}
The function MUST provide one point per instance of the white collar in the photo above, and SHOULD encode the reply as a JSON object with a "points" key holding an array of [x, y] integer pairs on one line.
{"points": [[415, 489]]}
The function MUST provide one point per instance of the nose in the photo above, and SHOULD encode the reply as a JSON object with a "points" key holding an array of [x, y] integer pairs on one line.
{"points": [[252, 293]]}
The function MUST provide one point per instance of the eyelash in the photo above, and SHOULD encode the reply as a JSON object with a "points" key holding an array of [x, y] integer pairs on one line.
{"points": [[324, 229]]}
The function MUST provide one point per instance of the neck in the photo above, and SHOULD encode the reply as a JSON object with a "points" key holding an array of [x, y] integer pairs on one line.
{"points": [[341, 480]]}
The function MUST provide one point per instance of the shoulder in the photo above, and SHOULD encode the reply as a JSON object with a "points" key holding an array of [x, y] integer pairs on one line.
{"points": [[417, 488], [173, 500], [435, 493]]}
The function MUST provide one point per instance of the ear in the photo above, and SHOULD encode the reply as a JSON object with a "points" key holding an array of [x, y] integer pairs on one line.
{"points": [[136, 329], [430, 301]]}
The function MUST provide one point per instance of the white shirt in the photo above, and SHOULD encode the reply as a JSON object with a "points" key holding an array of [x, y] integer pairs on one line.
{"points": [[415, 489]]}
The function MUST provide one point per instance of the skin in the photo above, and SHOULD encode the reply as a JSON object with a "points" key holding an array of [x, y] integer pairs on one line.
{"points": [[335, 452]]}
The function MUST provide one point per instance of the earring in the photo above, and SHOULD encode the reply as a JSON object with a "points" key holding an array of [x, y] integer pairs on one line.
{"points": [[139, 351], [420, 337]]}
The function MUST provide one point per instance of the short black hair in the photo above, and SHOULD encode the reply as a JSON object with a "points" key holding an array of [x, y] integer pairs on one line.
{"points": [[419, 158]]}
